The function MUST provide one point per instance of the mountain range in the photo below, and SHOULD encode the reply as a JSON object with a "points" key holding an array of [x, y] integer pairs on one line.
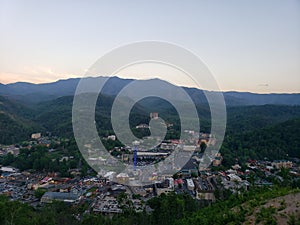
{"points": [[34, 93], [254, 118]]}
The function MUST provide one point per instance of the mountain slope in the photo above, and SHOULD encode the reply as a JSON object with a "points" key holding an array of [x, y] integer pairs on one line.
{"points": [[249, 118], [279, 141], [56, 115], [264, 99], [32, 93], [15, 124]]}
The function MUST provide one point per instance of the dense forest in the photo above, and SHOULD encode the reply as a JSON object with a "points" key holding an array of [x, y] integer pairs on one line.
{"points": [[252, 131], [280, 141]]}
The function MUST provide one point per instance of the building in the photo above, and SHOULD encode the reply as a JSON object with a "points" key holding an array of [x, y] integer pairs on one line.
{"points": [[167, 146], [204, 189], [165, 187], [143, 154], [154, 115], [234, 177], [49, 197], [190, 184], [108, 205], [112, 137], [11, 149], [190, 168], [122, 178], [142, 126], [236, 167], [117, 189], [189, 148], [139, 191], [278, 164], [36, 136], [218, 160], [8, 169]]}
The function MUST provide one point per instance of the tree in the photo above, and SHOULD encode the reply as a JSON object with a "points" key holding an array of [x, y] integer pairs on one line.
{"points": [[39, 193]]}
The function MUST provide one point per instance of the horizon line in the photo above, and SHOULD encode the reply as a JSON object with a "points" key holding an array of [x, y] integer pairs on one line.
{"points": [[224, 91]]}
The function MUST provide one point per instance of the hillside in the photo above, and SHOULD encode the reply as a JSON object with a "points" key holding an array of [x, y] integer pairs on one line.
{"points": [[267, 206], [249, 118], [177, 209], [282, 210], [16, 122], [275, 142], [240, 119], [252, 131]]}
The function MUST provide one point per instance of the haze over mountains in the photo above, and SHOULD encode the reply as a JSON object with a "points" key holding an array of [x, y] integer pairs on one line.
{"points": [[34, 93]]}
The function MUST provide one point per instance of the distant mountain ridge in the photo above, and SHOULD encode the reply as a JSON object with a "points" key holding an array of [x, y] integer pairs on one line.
{"points": [[34, 93]]}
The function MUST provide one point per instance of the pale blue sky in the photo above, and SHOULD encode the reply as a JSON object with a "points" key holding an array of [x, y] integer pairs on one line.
{"points": [[248, 45]]}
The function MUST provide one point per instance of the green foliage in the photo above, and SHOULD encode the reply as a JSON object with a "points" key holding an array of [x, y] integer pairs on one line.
{"points": [[38, 158], [293, 220], [268, 143], [14, 212], [222, 213], [39, 193], [266, 215], [252, 131], [167, 209], [16, 121]]}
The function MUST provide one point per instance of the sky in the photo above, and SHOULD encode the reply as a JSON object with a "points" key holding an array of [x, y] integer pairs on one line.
{"points": [[247, 45]]}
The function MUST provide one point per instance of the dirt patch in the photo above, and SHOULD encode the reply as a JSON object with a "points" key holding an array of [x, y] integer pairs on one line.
{"points": [[280, 209]]}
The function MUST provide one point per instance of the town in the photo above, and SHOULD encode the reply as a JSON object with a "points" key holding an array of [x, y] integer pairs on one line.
{"points": [[73, 183]]}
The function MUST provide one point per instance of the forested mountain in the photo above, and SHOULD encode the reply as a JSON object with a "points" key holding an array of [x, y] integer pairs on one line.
{"points": [[16, 122], [275, 142], [32, 93], [250, 118], [252, 131], [56, 115]]}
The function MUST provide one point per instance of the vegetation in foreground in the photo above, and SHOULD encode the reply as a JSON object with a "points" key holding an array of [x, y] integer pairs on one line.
{"points": [[167, 209]]}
